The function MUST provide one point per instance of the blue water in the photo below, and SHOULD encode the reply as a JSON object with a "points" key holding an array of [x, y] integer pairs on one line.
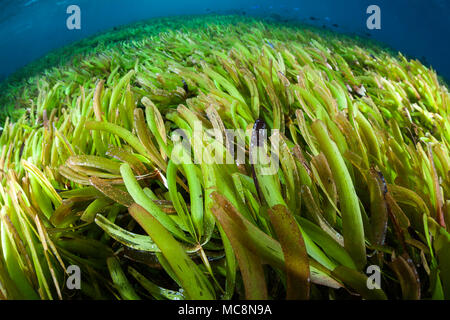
{"points": [[31, 28]]}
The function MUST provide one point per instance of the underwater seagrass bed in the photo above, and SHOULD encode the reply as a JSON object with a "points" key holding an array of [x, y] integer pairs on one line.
{"points": [[88, 178]]}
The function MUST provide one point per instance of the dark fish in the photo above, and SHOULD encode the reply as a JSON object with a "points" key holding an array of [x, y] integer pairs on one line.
{"points": [[413, 233], [255, 140], [313, 18], [276, 16], [185, 86], [144, 257], [335, 25], [368, 34], [423, 59], [381, 176], [21, 150]]}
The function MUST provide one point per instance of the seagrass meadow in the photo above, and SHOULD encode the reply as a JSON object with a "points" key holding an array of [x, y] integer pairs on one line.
{"points": [[88, 177]]}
